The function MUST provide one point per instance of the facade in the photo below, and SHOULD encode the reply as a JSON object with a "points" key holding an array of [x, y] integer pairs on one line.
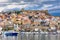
{"points": [[29, 20]]}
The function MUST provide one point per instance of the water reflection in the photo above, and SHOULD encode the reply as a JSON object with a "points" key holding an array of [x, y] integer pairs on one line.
{"points": [[32, 36], [39, 36]]}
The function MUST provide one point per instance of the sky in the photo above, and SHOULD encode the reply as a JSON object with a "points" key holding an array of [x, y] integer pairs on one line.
{"points": [[53, 6]]}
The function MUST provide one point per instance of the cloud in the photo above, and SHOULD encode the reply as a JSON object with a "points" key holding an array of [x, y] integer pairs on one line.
{"points": [[21, 6], [42, 0], [10, 6], [22, 2], [15, 6], [1, 9], [45, 7], [3, 0], [31, 6], [55, 7]]}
